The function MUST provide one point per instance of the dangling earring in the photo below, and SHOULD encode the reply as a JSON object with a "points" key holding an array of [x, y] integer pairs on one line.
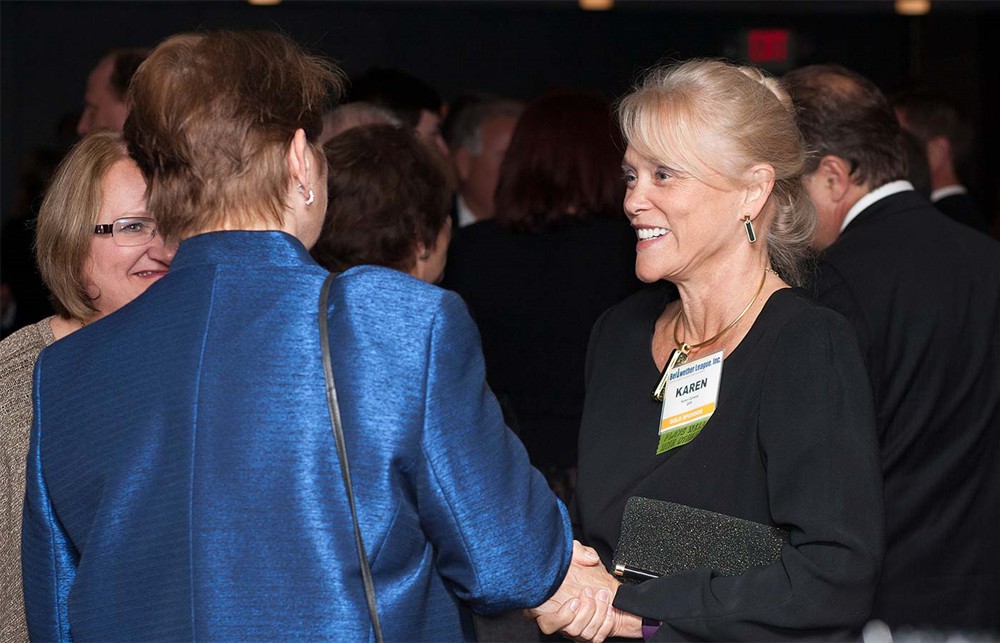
{"points": [[302, 190], [749, 226]]}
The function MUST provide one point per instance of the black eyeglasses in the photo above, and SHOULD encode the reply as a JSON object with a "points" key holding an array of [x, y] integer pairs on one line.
{"points": [[129, 231]]}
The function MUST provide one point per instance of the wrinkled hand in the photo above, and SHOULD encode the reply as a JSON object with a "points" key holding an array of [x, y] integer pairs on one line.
{"points": [[588, 617], [581, 607], [585, 570]]}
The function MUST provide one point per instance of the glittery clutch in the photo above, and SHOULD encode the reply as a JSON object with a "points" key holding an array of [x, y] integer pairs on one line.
{"points": [[660, 538]]}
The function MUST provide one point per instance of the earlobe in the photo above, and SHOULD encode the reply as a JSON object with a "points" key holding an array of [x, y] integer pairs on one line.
{"points": [[421, 255], [299, 163], [835, 176], [760, 181], [310, 198]]}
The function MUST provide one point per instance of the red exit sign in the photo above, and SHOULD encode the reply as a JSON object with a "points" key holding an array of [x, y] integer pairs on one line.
{"points": [[768, 46]]}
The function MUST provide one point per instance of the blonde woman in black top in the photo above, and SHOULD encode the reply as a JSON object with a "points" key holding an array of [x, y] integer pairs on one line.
{"points": [[780, 430]]}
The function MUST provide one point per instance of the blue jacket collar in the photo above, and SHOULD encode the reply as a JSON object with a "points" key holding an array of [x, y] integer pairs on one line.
{"points": [[242, 246]]}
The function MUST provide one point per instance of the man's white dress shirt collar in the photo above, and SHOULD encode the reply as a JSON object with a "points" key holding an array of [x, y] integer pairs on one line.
{"points": [[465, 216], [890, 188], [948, 190]]}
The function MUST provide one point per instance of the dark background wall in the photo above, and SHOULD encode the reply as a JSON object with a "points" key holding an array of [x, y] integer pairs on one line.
{"points": [[513, 48]]}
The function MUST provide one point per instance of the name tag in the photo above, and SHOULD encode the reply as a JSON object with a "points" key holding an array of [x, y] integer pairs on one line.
{"points": [[689, 399]]}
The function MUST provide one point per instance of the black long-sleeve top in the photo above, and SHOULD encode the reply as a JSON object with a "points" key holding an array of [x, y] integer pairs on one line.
{"points": [[792, 444]]}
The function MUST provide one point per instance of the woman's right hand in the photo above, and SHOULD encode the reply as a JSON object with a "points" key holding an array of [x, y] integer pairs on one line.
{"points": [[587, 617], [581, 609], [591, 617]]}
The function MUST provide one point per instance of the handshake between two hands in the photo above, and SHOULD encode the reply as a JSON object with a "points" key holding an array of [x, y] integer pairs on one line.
{"points": [[581, 609]]}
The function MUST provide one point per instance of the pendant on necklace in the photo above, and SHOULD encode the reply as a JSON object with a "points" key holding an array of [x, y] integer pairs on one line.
{"points": [[677, 357]]}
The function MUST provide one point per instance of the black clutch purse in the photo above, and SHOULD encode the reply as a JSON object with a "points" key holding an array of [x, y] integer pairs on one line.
{"points": [[659, 538]]}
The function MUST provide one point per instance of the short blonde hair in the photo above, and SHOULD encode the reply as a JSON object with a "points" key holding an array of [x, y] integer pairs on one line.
{"points": [[211, 118], [67, 217], [710, 118]]}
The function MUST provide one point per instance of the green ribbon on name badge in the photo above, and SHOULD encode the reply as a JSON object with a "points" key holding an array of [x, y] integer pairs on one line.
{"points": [[679, 436]]}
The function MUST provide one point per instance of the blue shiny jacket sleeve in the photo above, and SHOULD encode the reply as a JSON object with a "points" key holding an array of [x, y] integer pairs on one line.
{"points": [[489, 513], [48, 558]]}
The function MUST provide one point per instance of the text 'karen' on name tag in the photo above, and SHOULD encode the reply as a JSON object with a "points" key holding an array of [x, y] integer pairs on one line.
{"points": [[689, 401]]}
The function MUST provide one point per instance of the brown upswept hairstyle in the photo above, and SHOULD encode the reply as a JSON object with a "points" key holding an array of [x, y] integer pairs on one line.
{"points": [[211, 118], [711, 118], [387, 190], [563, 163], [842, 113], [66, 220]]}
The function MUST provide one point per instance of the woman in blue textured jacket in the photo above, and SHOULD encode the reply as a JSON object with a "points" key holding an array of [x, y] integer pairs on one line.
{"points": [[183, 480]]}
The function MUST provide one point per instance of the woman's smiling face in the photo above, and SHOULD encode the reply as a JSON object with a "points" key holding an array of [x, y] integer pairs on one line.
{"points": [[682, 222], [115, 275]]}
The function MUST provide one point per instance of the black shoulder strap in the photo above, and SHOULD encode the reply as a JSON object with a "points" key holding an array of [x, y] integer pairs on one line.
{"points": [[338, 436]]}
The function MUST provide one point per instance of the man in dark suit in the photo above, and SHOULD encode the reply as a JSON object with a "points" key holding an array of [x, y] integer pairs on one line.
{"points": [[923, 293], [943, 130]]}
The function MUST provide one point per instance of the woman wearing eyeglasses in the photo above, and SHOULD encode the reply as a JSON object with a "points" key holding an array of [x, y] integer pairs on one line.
{"points": [[97, 249]]}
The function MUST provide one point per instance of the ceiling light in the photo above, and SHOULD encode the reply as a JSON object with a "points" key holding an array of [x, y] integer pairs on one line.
{"points": [[913, 7]]}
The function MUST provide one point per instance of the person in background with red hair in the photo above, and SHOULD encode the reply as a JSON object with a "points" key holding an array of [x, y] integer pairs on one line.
{"points": [[558, 253]]}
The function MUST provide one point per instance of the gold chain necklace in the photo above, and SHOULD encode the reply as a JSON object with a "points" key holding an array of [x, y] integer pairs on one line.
{"points": [[679, 355]]}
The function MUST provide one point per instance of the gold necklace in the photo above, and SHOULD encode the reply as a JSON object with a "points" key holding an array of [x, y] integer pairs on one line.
{"points": [[679, 355]]}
